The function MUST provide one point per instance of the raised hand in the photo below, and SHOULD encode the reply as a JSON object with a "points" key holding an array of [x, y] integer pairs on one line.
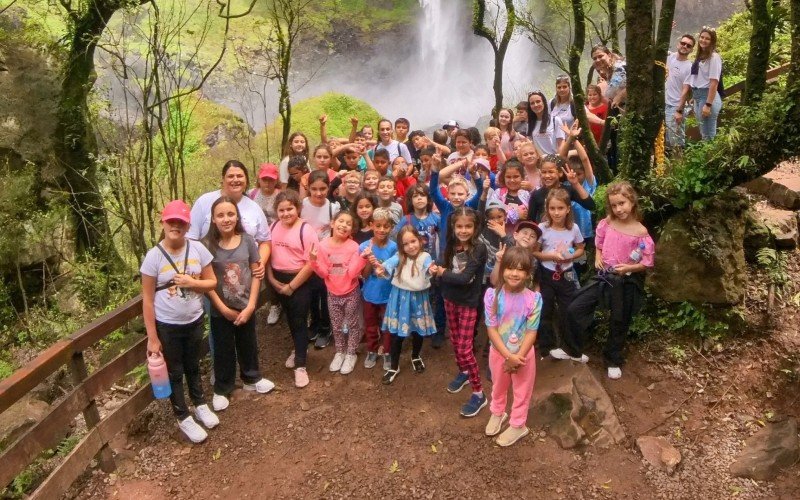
{"points": [[323, 119], [354, 121], [500, 252], [572, 177]]}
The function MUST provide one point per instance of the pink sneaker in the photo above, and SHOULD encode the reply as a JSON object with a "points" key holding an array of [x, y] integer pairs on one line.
{"points": [[300, 377]]}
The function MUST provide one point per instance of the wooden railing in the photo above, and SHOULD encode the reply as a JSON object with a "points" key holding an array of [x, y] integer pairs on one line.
{"points": [[772, 75]]}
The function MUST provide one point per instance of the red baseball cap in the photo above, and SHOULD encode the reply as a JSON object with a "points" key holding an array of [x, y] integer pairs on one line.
{"points": [[268, 170], [176, 210]]}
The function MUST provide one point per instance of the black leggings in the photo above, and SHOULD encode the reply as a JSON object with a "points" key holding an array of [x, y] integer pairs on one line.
{"points": [[296, 306], [181, 347], [397, 347], [559, 293]]}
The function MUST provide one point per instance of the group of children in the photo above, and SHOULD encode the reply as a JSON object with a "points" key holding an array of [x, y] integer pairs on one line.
{"points": [[403, 237]]}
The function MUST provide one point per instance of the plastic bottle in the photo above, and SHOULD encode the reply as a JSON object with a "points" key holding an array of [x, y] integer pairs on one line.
{"points": [[159, 377], [637, 253], [513, 344], [568, 253]]}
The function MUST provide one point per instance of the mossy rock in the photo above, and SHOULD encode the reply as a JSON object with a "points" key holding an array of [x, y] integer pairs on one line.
{"points": [[757, 235]]}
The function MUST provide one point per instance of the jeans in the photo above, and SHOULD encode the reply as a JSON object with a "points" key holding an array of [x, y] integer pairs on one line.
{"points": [[181, 347], [231, 344], [708, 126], [296, 306], [675, 132]]}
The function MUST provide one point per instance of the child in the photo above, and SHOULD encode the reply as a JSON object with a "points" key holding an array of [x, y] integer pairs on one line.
{"points": [[425, 156], [289, 272], [297, 145], [175, 275], [497, 157], [403, 175], [297, 169], [386, 198], [322, 161], [529, 157], [514, 199], [460, 275], [233, 322], [375, 289], [598, 107], [380, 162], [265, 195], [526, 235], [561, 243], [551, 167], [408, 310], [361, 209], [512, 318], [339, 263], [352, 186], [508, 136], [579, 162], [624, 252], [422, 218], [319, 211], [371, 180]]}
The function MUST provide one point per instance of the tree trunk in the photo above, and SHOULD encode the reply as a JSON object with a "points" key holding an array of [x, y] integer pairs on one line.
{"points": [[613, 25], [793, 80], [758, 57], [498, 47], [76, 145], [499, 59], [597, 158]]}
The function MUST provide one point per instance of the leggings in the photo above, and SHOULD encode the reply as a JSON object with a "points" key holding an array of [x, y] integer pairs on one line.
{"points": [[397, 347], [234, 343], [296, 306], [347, 320], [554, 292], [461, 322], [181, 347]]}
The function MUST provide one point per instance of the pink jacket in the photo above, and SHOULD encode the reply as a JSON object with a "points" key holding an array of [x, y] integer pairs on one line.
{"points": [[339, 265]]}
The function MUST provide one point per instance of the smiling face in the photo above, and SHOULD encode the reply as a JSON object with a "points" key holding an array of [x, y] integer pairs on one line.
{"points": [[594, 97], [513, 180], [352, 185], [364, 209], [685, 46], [504, 117], [234, 182], [385, 131], [457, 194], [411, 244], [514, 278], [557, 210], [381, 230], [537, 104], [464, 229], [368, 133], [299, 145], [462, 145], [528, 156], [371, 180], [174, 230], [343, 226], [601, 59], [704, 40], [225, 218], [525, 237], [287, 213], [549, 173], [317, 193], [620, 206]]}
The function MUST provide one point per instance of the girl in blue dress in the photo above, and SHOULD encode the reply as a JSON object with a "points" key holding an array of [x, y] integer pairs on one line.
{"points": [[408, 312]]}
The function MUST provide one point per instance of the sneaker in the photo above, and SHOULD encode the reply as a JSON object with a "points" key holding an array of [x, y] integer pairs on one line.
{"points": [[418, 365], [322, 341], [389, 376], [614, 372], [313, 336], [290, 361], [511, 436], [387, 362], [349, 364], [458, 383], [371, 360], [206, 416], [274, 314], [219, 402], [192, 430], [336, 364], [437, 341], [300, 377], [263, 386], [495, 423], [474, 405], [562, 354]]}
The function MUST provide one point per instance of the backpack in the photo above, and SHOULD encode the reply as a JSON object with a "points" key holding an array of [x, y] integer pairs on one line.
{"points": [[721, 85], [571, 106], [302, 226]]}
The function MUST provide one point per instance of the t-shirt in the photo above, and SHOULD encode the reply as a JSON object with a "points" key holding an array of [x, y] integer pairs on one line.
{"points": [[289, 251], [375, 289], [559, 241], [173, 305], [597, 128], [583, 217], [617, 246], [254, 221], [563, 110], [516, 314], [396, 211], [428, 229], [538, 197], [395, 149], [547, 141], [234, 277], [678, 73], [320, 218], [414, 275], [339, 265], [706, 70], [283, 170], [267, 204]]}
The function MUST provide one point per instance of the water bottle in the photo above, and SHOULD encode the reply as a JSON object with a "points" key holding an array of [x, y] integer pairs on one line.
{"points": [[345, 330], [568, 253], [513, 344], [159, 378], [637, 253]]}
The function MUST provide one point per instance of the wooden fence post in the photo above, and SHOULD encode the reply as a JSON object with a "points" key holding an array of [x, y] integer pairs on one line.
{"points": [[90, 413]]}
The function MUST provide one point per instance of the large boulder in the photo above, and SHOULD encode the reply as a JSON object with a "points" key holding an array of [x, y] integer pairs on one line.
{"points": [[700, 254], [20, 417], [781, 186], [573, 407], [769, 451]]}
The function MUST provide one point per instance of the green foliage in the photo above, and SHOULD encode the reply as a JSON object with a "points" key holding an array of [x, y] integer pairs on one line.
{"points": [[67, 445], [665, 318], [100, 290], [774, 263], [6, 369]]}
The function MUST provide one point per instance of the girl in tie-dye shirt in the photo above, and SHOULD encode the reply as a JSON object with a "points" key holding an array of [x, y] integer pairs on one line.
{"points": [[512, 318]]}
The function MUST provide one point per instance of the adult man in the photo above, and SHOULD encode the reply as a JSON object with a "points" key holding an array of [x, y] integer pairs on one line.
{"points": [[678, 66]]}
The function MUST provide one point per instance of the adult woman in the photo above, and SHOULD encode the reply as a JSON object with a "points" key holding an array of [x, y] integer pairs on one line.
{"points": [[544, 129], [703, 81], [562, 104], [613, 83], [234, 185], [393, 147]]}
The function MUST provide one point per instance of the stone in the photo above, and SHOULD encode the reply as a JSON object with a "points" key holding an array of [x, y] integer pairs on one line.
{"points": [[782, 225], [700, 254], [659, 453], [757, 235], [781, 186], [20, 417], [572, 405], [769, 451]]}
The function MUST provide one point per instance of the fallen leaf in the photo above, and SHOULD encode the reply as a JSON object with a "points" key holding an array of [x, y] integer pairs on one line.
{"points": [[433, 448], [395, 467], [217, 454]]}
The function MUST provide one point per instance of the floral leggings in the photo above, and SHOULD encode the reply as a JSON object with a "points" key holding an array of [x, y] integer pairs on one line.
{"points": [[347, 320]]}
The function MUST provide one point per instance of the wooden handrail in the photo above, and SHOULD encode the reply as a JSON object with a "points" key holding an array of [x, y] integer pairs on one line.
{"points": [[772, 74]]}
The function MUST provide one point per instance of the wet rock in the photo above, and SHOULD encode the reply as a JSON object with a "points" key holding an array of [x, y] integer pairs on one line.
{"points": [[770, 450], [659, 453], [573, 406]]}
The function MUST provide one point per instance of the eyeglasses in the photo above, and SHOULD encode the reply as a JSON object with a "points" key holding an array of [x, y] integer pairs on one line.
{"points": [[687, 45]]}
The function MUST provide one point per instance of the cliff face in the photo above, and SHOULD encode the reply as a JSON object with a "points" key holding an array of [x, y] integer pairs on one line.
{"points": [[692, 15]]}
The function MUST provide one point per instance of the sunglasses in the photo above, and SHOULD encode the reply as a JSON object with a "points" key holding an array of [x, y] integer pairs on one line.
{"points": [[562, 78], [536, 92], [687, 45]]}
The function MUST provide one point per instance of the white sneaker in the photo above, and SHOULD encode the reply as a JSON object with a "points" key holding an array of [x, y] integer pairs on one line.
{"points": [[219, 402], [349, 363], [562, 354], [387, 362], [194, 432], [274, 314], [614, 372], [206, 416], [336, 364], [263, 386], [290, 361]]}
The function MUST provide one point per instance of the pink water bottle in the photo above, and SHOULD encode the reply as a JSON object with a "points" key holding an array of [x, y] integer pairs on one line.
{"points": [[159, 378]]}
